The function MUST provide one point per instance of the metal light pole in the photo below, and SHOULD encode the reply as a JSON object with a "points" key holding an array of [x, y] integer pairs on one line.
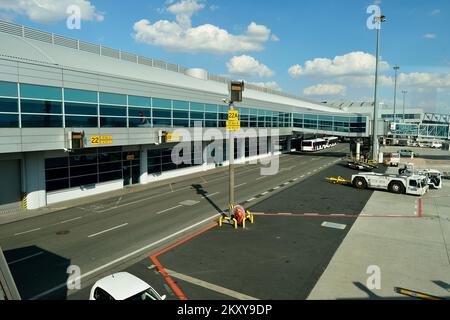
{"points": [[375, 146], [396, 68], [404, 102], [231, 166]]}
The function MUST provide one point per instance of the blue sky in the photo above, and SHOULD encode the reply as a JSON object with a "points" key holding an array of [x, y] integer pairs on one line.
{"points": [[262, 40]]}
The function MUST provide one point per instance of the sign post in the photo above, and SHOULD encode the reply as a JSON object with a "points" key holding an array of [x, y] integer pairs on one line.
{"points": [[233, 124]]}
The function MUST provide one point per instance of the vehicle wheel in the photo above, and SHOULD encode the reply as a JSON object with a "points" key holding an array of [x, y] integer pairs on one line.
{"points": [[397, 187], [360, 183]]}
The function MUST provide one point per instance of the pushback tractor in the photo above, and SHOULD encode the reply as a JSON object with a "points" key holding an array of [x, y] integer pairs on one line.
{"points": [[413, 185]]}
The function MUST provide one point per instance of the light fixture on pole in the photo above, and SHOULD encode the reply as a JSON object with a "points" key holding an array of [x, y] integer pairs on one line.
{"points": [[396, 68], [379, 20]]}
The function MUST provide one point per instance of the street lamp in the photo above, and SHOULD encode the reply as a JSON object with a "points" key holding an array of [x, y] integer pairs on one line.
{"points": [[379, 20], [396, 68], [404, 102]]}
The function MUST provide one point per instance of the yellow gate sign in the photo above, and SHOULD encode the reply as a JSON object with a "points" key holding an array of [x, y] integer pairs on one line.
{"points": [[233, 115], [234, 125], [101, 140]]}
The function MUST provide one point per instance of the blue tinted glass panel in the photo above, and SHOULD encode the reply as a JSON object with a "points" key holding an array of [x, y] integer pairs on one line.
{"points": [[181, 114], [9, 120], [162, 103], [78, 108], [113, 98], [197, 106], [80, 95], [81, 122], [211, 108], [9, 105], [181, 105], [223, 109], [36, 121], [211, 116], [158, 113], [8, 89], [139, 101], [38, 106], [140, 122], [197, 115], [139, 112], [162, 122], [113, 111], [40, 92], [180, 123], [113, 122]]}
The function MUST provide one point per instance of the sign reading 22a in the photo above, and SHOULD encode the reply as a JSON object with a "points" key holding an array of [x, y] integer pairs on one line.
{"points": [[101, 140]]}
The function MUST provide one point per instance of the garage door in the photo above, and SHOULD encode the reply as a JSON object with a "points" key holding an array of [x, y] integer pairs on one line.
{"points": [[10, 185]]}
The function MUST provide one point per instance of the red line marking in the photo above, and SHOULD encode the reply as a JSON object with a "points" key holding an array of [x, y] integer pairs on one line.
{"points": [[420, 208], [309, 215], [163, 271]]}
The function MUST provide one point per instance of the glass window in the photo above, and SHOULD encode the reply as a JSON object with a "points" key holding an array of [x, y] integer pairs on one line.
{"points": [[83, 159], [9, 105], [162, 122], [110, 176], [9, 120], [181, 114], [37, 121], [83, 181], [197, 115], [8, 89], [56, 163], [78, 108], [158, 113], [139, 112], [40, 92], [107, 122], [162, 103], [38, 106], [81, 122], [55, 174], [83, 170], [80, 95], [197, 106], [56, 185], [211, 116], [181, 105], [113, 111], [180, 123], [211, 108], [139, 101], [113, 98], [140, 122]]}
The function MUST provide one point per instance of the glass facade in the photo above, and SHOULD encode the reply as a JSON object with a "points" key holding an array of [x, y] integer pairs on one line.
{"points": [[51, 107], [83, 168]]}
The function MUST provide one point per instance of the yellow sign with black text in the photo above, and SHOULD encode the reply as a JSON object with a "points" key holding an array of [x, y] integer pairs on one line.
{"points": [[101, 140], [234, 125], [233, 115]]}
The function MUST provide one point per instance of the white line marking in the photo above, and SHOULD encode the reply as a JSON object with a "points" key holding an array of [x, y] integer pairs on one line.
{"points": [[70, 220], [250, 200], [102, 232], [170, 209], [240, 185], [210, 286], [309, 173], [26, 258], [334, 225], [260, 178], [264, 193], [286, 183], [211, 195], [118, 201], [295, 179], [64, 285], [276, 188], [20, 233]]}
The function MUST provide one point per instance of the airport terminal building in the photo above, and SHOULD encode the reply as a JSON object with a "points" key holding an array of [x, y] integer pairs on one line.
{"points": [[54, 89]]}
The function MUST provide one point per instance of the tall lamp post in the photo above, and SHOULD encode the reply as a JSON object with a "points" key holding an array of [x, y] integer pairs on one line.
{"points": [[375, 147], [396, 68], [404, 103]]}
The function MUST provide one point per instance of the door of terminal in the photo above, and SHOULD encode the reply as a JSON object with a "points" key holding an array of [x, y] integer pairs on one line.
{"points": [[131, 168]]}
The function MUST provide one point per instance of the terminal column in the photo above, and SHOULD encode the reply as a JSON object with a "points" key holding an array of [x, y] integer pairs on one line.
{"points": [[34, 182], [143, 179]]}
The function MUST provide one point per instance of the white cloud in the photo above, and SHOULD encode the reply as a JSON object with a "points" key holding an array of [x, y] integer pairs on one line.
{"points": [[424, 80], [353, 63], [50, 11], [269, 85], [365, 81], [248, 66], [435, 12], [274, 38], [179, 35], [430, 36], [325, 90]]}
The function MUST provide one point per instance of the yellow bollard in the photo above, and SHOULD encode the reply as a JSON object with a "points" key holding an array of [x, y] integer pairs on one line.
{"points": [[220, 221], [235, 223]]}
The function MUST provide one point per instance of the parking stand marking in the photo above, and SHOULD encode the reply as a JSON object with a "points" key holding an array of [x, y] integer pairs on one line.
{"points": [[209, 286], [334, 225]]}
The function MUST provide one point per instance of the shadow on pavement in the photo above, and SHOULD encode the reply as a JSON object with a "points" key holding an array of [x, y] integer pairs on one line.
{"points": [[201, 191], [36, 270]]}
